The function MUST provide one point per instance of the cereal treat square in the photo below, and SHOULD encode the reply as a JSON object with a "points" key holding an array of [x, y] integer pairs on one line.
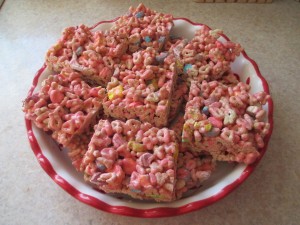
{"points": [[132, 158], [93, 54], [144, 92], [65, 106], [144, 28], [102, 55], [96, 54], [193, 168], [226, 121], [71, 42], [205, 57]]}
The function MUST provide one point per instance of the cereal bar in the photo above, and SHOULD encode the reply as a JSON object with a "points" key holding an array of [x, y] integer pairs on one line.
{"points": [[71, 42], [132, 158], [192, 170], [93, 54], [144, 92], [65, 106], [144, 28], [226, 121], [205, 57]]}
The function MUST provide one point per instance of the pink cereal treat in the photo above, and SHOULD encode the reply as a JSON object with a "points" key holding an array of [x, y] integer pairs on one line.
{"points": [[144, 92], [193, 169], [226, 121], [205, 57], [144, 28], [92, 53], [71, 42], [65, 106], [132, 158], [103, 54]]}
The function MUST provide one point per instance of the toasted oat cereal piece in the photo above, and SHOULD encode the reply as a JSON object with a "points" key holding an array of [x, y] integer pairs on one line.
{"points": [[144, 92], [193, 169], [132, 158], [226, 121], [65, 106]]}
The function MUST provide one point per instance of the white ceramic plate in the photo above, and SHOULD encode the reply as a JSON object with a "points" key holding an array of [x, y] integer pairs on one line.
{"points": [[224, 180]]}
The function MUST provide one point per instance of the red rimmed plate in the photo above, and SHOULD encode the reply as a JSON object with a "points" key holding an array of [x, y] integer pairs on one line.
{"points": [[223, 181]]}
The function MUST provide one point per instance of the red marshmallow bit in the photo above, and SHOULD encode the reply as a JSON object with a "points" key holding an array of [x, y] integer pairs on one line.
{"points": [[56, 96], [128, 165]]}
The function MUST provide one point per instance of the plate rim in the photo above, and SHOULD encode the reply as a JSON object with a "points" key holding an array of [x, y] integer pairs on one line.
{"points": [[157, 211]]}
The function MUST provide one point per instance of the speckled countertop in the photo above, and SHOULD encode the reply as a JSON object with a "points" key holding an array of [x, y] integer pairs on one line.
{"points": [[268, 32]]}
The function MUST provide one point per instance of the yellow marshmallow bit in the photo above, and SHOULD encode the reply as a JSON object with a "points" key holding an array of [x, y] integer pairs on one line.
{"points": [[197, 125], [100, 41], [179, 64], [184, 140], [208, 127], [186, 127], [154, 83], [135, 146], [154, 195], [116, 92], [57, 46]]}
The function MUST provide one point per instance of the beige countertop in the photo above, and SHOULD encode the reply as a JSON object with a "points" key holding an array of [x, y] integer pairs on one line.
{"points": [[270, 34]]}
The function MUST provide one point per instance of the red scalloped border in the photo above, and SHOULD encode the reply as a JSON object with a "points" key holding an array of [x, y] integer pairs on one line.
{"points": [[154, 212]]}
